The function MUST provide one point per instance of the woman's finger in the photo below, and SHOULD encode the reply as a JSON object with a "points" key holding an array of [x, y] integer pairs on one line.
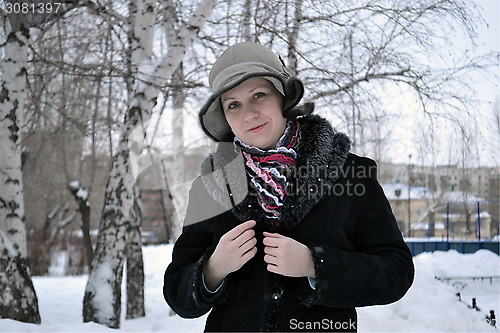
{"points": [[271, 259], [274, 242], [273, 251], [273, 235], [245, 236], [248, 245], [239, 229], [273, 269], [249, 254]]}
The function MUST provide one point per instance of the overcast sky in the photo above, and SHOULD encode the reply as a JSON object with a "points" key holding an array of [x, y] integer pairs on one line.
{"points": [[447, 147], [406, 136]]}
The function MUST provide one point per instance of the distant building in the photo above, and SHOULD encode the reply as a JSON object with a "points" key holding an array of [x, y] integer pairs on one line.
{"points": [[158, 211], [432, 187], [408, 205], [453, 213], [442, 178]]}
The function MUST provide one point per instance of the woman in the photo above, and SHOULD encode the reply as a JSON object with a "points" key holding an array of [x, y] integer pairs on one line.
{"points": [[285, 229]]}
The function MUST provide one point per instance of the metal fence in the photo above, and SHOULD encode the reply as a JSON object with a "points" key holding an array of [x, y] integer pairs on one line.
{"points": [[418, 247]]}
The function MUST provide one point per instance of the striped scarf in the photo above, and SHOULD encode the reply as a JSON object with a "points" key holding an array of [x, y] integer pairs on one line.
{"points": [[269, 170]]}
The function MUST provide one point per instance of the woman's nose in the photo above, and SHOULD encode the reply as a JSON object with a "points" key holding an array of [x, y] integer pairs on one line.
{"points": [[250, 112]]}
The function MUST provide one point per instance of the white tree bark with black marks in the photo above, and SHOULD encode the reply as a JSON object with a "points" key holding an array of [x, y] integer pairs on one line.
{"points": [[175, 168], [179, 191], [135, 264], [142, 51], [102, 300], [293, 36], [119, 234], [18, 298]]}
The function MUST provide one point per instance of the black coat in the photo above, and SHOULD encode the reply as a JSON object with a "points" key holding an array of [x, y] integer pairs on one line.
{"points": [[340, 212]]}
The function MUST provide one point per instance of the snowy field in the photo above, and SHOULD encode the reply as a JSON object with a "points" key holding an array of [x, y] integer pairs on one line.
{"points": [[429, 306]]}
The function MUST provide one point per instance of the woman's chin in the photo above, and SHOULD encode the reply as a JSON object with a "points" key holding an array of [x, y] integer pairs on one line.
{"points": [[261, 144]]}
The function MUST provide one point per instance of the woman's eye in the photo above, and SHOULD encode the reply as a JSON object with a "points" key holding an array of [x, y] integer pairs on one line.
{"points": [[258, 95], [233, 105]]}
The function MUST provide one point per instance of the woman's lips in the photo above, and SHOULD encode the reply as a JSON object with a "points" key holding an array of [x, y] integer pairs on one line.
{"points": [[257, 129]]}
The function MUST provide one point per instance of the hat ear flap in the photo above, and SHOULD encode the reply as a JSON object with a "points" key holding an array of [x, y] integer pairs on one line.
{"points": [[301, 110], [294, 90]]}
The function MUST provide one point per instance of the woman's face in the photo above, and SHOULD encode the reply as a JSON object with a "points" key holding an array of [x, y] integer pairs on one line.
{"points": [[253, 110]]}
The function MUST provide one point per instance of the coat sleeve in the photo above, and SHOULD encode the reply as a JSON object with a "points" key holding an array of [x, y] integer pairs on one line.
{"points": [[183, 287], [380, 268]]}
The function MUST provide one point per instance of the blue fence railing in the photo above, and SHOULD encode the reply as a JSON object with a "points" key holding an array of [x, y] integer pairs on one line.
{"points": [[418, 247]]}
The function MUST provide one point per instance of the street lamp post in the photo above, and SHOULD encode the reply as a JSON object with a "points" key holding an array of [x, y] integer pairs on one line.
{"points": [[397, 192], [352, 92], [409, 197]]}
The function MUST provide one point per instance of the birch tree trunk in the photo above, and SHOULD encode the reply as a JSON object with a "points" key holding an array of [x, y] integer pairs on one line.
{"points": [[119, 234], [247, 15], [18, 298], [142, 51], [135, 264], [293, 36], [102, 300], [81, 198], [135, 276], [180, 191]]}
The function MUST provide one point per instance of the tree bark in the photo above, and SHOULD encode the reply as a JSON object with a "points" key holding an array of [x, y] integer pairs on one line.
{"points": [[84, 209], [102, 300], [293, 36], [180, 192], [18, 298], [135, 265], [247, 14], [176, 168]]}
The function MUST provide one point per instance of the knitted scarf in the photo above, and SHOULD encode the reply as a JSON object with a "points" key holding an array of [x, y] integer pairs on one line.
{"points": [[269, 171]]}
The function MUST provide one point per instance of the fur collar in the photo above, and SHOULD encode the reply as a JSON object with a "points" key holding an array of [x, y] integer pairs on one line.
{"points": [[321, 154]]}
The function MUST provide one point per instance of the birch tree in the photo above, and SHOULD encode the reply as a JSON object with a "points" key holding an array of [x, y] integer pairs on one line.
{"points": [[102, 300], [135, 263], [144, 16], [81, 197], [119, 237], [176, 168], [293, 36], [18, 298]]}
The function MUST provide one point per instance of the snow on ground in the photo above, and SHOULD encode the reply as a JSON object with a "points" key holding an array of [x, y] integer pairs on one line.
{"points": [[433, 306], [429, 306]]}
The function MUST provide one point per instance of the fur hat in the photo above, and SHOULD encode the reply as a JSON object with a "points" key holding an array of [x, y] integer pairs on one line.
{"points": [[237, 64]]}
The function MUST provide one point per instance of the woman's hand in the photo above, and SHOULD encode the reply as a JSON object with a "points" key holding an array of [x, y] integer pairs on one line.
{"points": [[287, 257], [234, 249]]}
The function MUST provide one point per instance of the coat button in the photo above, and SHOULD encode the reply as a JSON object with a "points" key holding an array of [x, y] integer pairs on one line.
{"points": [[276, 296]]}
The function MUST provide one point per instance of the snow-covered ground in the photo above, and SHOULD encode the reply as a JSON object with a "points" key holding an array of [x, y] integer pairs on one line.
{"points": [[429, 306]]}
